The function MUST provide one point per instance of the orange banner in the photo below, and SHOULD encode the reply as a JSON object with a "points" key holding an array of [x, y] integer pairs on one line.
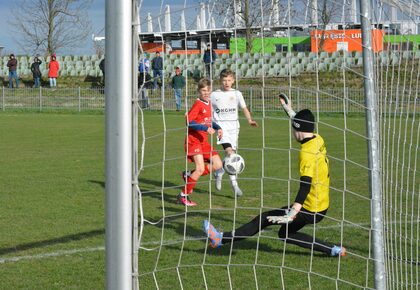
{"points": [[349, 40]]}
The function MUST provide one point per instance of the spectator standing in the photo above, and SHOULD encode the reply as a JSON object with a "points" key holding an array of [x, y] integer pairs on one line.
{"points": [[157, 67], [12, 65], [196, 74], [144, 80], [36, 72], [102, 68], [178, 83], [209, 58], [54, 67]]}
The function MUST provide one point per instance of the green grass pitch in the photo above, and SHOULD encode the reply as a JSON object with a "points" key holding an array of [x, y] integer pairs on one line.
{"points": [[52, 207]]}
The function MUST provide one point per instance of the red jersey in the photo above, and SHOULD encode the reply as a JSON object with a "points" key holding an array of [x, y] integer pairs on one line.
{"points": [[200, 112]]}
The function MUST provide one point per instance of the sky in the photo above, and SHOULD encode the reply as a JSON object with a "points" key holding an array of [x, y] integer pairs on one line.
{"points": [[96, 14], [97, 17]]}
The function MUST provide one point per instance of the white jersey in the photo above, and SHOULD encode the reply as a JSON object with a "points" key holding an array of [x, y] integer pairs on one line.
{"points": [[225, 113], [225, 108]]}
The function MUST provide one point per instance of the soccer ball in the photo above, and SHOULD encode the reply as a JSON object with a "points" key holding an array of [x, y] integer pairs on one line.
{"points": [[234, 164]]}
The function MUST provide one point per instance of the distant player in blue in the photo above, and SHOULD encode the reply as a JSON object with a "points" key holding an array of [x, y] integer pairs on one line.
{"points": [[157, 67], [311, 202], [209, 57], [144, 80]]}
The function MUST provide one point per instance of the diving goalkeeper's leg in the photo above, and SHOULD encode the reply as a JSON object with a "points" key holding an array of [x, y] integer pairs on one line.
{"points": [[260, 222], [289, 234]]}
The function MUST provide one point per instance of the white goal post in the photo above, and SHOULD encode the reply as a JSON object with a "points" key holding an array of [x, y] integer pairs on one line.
{"points": [[372, 143]]}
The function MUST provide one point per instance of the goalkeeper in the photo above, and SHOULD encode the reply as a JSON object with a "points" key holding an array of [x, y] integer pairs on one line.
{"points": [[311, 202]]}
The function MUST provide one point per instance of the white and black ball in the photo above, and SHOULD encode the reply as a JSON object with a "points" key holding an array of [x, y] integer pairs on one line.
{"points": [[233, 164]]}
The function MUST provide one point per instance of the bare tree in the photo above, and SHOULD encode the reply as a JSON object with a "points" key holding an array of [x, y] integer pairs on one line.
{"points": [[249, 15], [46, 26]]}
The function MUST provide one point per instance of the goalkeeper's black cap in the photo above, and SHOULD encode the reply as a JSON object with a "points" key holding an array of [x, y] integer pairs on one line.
{"points": [[304, 121]]}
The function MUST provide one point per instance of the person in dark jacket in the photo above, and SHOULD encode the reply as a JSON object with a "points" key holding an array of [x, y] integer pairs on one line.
{"points": [[178, 83], [209, 58], [12, 65], [102, 68], [36, 72], [157, 68]]}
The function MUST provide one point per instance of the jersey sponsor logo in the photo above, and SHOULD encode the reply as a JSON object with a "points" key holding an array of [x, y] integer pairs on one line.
{"points": [[204, 111], [196, 150], [225, 110]]}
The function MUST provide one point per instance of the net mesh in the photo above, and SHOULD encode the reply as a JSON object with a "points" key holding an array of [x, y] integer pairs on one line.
{"points": [[172, 249]]}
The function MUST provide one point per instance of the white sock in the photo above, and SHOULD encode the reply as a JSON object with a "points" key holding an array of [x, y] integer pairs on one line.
{"points": [[219, 172], [233, 180]]}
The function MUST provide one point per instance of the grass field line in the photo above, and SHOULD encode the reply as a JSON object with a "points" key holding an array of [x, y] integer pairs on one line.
{"points": [[52, 254], [154, 243]]}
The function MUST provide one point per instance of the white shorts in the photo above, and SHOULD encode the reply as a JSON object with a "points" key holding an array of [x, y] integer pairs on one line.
{"points": [[230, 136]]}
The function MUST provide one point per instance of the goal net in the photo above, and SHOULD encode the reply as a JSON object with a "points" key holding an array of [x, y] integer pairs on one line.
{"points": [[311, 51]]}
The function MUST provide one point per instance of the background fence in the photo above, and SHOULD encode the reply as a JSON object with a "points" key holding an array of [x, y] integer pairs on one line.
{"points": [[330, 100]]}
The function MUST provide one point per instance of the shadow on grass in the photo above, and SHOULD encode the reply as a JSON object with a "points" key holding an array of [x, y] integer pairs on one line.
{"points": [[152, 186], [53, 241]]}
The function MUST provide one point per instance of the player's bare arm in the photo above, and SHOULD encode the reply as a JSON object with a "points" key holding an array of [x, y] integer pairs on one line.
{"points": [[210, 130], [249, 118], [220, 134]]}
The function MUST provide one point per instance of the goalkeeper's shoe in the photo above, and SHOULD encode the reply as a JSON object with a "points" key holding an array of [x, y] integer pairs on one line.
{"points": [[338, 251], [185, 200], [214, 236]]}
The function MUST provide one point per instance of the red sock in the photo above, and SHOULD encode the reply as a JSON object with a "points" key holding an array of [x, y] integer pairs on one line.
{"points": [[206, 170], [189, 186]]}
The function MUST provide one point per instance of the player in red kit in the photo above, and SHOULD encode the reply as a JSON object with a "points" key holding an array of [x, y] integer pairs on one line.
{"points": [[197, 146]]}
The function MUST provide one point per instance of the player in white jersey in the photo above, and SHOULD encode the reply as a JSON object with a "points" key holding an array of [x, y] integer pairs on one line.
{"points": [[226, 103]]}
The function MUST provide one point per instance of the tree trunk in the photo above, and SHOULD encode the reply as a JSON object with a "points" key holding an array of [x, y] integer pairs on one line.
{"points": [[248, 31], [50, 27]]}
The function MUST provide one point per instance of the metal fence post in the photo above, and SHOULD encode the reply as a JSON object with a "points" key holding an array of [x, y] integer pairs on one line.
{"points": [[2, 99], [298, 97], [250, 99], [40, 98], [79, 97]]}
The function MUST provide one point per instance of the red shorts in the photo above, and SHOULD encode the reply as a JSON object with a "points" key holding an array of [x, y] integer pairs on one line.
{"points": [[194, 147]]}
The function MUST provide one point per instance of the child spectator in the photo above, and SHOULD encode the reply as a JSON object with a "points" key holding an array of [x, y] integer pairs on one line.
{"points": [[144, 80], [178, 83], [197, 146], [54, 67]]}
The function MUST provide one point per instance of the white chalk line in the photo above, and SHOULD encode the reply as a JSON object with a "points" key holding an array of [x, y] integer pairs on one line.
{"points": [[52, 254]]}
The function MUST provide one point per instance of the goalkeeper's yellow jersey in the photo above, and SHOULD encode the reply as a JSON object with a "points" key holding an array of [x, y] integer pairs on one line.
{"points": [[313, 162]]}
